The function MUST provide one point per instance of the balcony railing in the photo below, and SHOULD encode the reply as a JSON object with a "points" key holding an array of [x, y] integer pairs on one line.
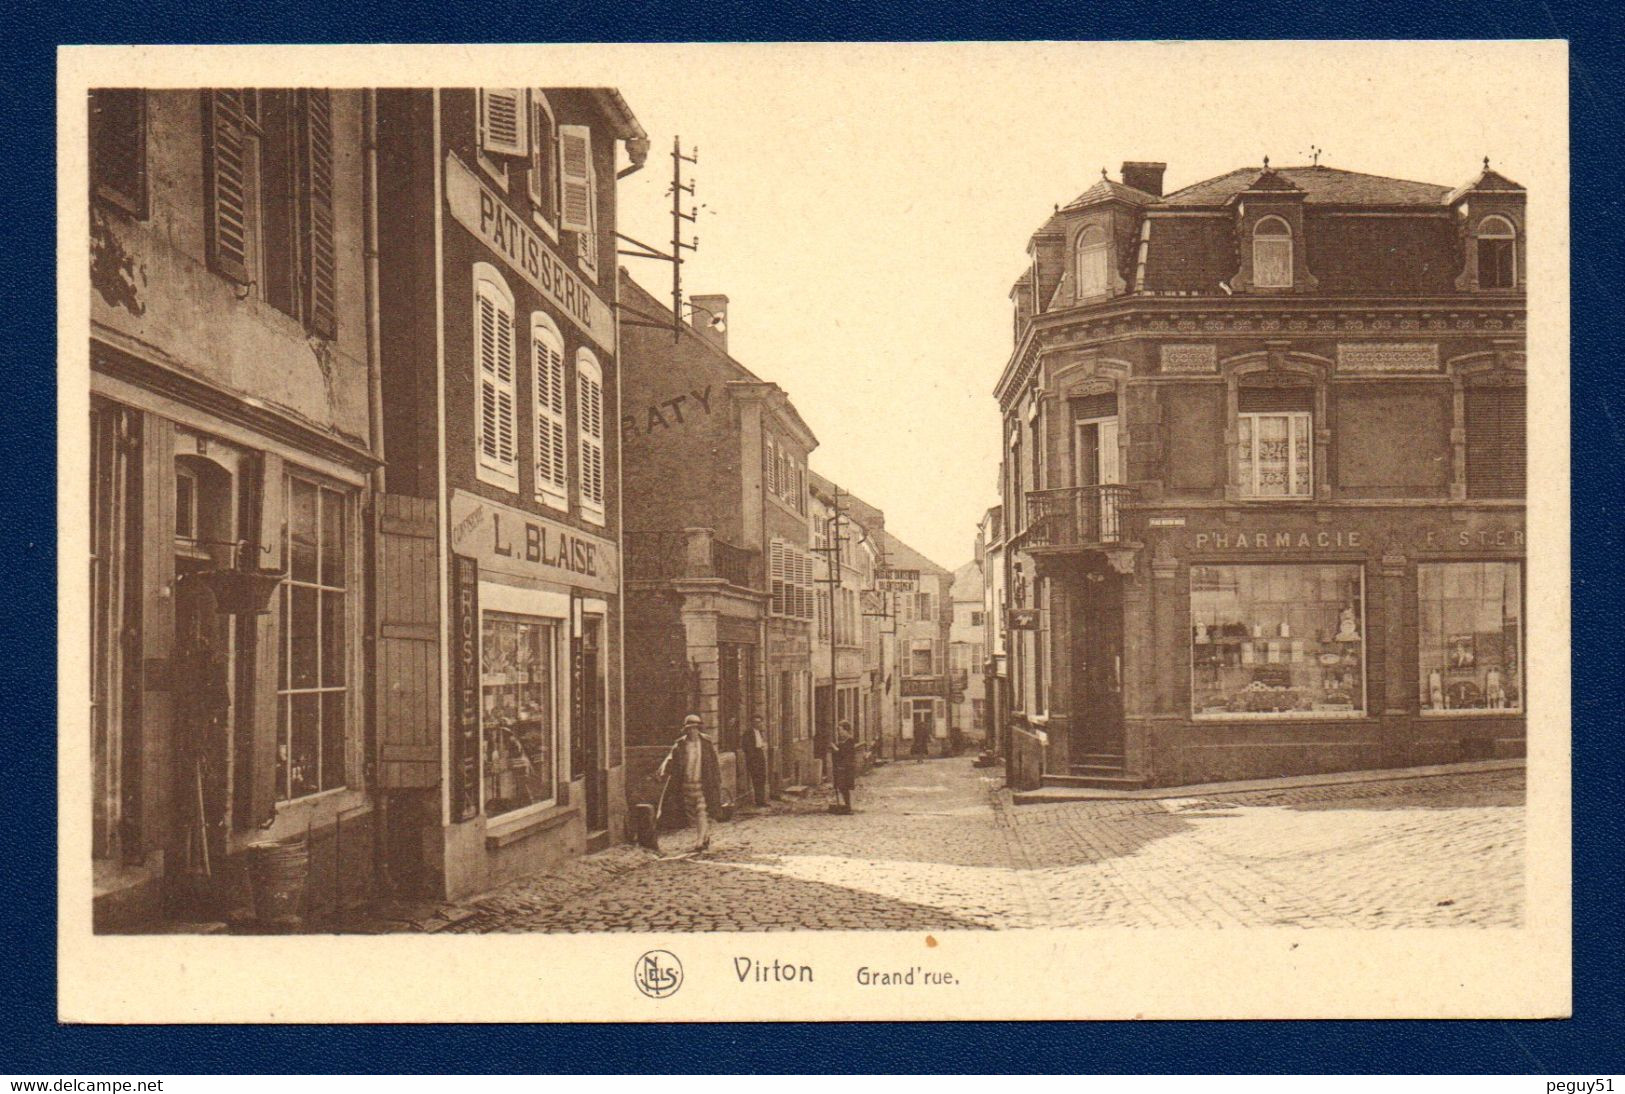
{"points": [[654, 558], [1077, 516]]}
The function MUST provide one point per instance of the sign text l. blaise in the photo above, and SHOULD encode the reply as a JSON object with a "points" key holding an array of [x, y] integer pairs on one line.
{"points": [[519, 544]]}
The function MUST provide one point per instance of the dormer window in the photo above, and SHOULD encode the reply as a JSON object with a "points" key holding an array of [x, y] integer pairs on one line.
{"points": [[1497, 254], [1272, 254], [1093, 262]]}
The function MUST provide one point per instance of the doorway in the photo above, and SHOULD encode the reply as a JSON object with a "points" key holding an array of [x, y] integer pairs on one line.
{"points": [[922, 723], [1098, 665], [592, 722]]}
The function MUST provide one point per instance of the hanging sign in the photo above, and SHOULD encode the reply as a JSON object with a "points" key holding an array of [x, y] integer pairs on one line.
{"points": [[897, 581], [1024, 619]]}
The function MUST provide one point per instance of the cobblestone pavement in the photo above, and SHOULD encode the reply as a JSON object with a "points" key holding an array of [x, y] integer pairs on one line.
{"points": [[937, 845]]}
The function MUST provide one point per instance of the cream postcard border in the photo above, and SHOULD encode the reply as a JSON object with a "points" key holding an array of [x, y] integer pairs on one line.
{"points": [[1164, 974]]}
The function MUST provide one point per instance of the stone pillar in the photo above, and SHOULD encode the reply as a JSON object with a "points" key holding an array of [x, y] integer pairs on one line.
{"points": [[1162, 660], [1398, 688]]}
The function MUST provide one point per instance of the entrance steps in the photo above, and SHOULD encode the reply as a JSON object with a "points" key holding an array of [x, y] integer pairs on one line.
{"points": [[1097, 771]]}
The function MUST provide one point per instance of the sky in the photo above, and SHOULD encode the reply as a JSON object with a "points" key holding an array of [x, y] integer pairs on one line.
{"points": [[866, 208]]}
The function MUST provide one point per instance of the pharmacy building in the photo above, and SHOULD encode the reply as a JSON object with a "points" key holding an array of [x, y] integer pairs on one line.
{"points": [[1263, 478]]}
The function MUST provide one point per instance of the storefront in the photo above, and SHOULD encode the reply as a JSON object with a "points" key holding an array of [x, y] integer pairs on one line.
{"points": [[1283, 643]]}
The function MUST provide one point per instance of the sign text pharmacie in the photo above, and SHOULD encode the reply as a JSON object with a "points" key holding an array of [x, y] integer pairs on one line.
{"points": [[1353, 539], [511, 541], [478, 208]]}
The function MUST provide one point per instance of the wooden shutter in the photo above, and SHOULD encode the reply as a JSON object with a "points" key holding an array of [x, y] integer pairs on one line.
{"points": [[502, 121], [770, 458], [542, 183], [494, 348], [775, 571], [320, 273], [547, 354], [590, 412], [406, 679], [118, 147], [226, 182], [1496, 444], [575, 170]]}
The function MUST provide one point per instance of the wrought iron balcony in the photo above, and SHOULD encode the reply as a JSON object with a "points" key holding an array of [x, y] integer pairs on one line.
{"points": [[1080, 517], [654, 558]]}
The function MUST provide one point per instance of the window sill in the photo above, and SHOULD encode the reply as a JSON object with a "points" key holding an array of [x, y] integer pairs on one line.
{"points": [[509, 830], [505, 479], [559, 502], [1287, 716], [592, 517], [545, 226], [1486, 713]]}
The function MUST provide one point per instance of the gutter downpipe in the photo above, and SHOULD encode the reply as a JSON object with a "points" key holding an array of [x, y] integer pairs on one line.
{"points": [[375, 441]]}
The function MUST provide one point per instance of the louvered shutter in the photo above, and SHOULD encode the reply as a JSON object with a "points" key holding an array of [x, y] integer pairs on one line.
{"points": [[547, 354], [775, 576], [316, 208], [575, 171], [590, 408], [406, 687], [502, 124], [1496, 444], [226, 137], [770, 458], [496, 380], [542, 183]]}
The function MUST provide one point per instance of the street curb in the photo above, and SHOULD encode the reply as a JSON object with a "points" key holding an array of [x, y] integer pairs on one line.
{"points": [[1051, 794]]}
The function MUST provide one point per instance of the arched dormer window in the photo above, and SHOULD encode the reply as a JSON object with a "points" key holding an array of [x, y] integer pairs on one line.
{"points": [[1094, 262], [1497, 253], [1272, 254]]}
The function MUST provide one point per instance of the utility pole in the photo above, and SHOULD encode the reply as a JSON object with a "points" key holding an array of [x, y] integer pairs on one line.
{"points": [[832, 564], [678, 243]]}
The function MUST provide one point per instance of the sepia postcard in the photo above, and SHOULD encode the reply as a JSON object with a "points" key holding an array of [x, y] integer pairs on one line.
{"points": [[817, 532]]}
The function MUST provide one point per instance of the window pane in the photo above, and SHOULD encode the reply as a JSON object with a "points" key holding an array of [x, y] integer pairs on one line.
{"points": [[282, 640], [1301, 441], [302, 637], [1271, 453], [517, 712], [305, 737], [1277, 641], [1272, 263], [334, 648], [282, 747], [333, 726], [333, 541], [302, 530], [1470, 636]]}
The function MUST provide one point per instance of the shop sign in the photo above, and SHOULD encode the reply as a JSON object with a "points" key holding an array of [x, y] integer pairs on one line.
{"points": [[1167, 522], [897, 581], [1369, 357], [1024, 619], [519, 544], [465, 695], [922, 686], [482, 211], [1429, 539]]}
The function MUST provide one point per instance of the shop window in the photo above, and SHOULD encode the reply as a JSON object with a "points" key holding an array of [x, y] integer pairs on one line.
{"points": [[590, 426], [518, 721], [1496, 452], [1275, 442], [1094, 262], [1272, 254], [313, 697], [497, 459], [118, 148], [1283, 641], [1470, 636], [552, 454], [1497, 254], [542, 176]]}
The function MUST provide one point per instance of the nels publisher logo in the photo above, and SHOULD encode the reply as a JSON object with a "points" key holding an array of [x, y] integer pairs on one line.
{"points": [[658, 974]]}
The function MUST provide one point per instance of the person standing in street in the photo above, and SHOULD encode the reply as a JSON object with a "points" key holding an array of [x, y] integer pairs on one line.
{"points": [[692, 763], [845, 764], [756, 761]]}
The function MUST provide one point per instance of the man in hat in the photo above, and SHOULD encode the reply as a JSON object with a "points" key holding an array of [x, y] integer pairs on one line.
{"points": [[693, 765]]}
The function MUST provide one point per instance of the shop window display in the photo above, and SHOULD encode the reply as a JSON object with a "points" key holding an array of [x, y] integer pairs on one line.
{"points": [[1277, 641], [1469, 636], [517, 711]]}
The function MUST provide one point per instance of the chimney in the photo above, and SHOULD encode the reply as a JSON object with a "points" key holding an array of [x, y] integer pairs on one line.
{"points": [[708, 315], [1144, 176]]}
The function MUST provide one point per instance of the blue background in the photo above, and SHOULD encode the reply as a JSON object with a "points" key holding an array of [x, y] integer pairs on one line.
{"points": [[30, 1040]]}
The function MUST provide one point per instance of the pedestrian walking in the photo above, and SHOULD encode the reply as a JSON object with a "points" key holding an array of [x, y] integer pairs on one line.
{"points": [[756, 761], [693, 765], [845, 764]]}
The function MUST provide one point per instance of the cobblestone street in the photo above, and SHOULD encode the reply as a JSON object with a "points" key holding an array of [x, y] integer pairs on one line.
{"points": [[938, 846]]}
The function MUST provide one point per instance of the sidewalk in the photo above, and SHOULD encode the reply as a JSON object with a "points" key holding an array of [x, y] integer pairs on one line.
{"points": [[1052, 794]]}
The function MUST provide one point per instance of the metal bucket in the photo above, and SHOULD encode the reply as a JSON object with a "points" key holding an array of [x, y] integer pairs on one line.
{"points": [[279, 874]]}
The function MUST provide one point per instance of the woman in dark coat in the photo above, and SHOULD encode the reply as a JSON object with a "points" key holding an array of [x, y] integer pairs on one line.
{"points": [[845, 754], [693, 767]]}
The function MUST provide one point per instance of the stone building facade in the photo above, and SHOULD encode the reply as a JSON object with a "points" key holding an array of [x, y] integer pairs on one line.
{"points": [[1263, 484]]}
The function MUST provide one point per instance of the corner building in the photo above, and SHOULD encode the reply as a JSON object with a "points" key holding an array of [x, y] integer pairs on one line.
{"points": [[497, 539], [1264, 478]]}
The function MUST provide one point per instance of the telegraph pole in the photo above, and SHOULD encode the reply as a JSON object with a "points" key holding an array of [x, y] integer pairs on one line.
{"points": [[832, 565], [678, 243]]}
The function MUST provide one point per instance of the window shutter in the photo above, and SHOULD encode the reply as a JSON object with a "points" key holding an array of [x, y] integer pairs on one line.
{"points": [[771, 459], [551, 458], [590, 411], [543, 182], [575, 169], [226, 182], [1496, 443], [118, 147], [502, 128], [316, 200], [495, 351], [775, 570]]}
